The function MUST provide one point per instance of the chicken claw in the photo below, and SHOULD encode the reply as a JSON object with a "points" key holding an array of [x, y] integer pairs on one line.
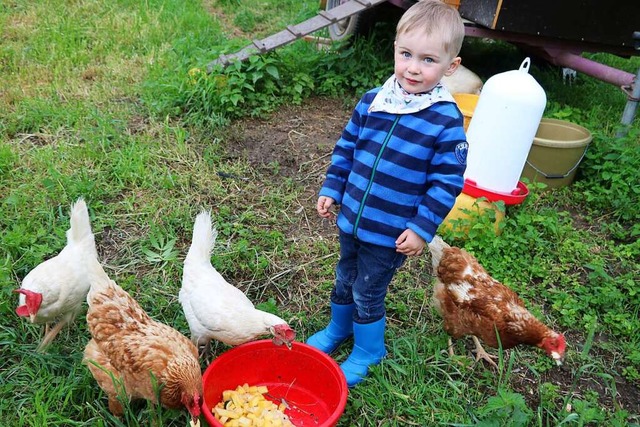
{"points": [[450, 347], [482, 354], [51, 333]]}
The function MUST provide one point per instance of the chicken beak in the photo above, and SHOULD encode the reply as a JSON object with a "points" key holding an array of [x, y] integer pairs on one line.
{"points": [[558, 359], [32, 317], [288, 344]]}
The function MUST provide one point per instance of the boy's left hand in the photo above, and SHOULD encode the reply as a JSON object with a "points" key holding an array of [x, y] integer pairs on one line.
{"points": [[409, 243]]}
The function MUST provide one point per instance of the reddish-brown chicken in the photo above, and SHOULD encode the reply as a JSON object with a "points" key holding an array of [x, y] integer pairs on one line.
{"points": [[471, 302], [138, 352]]}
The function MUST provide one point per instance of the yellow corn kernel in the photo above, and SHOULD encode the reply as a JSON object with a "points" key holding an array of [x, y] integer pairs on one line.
{"points": [[255, 400], [246, 406], [265, 404], [226, 413], [237, 401]]}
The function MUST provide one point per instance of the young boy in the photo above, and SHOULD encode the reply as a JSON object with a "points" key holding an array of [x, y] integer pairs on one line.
{"points": [[395, 172]]}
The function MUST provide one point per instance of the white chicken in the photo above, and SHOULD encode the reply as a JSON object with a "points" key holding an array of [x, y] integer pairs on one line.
{"points": [[56, 288], [214, 308], [462, 81]]}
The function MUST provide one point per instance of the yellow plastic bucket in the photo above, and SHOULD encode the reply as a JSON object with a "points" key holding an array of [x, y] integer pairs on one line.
{"points": [[467, 104], [481, 201], [466, 203], [558, 148]]}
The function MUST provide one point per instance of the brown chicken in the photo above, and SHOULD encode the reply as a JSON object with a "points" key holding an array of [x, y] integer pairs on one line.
{"points": [[471, 302], [138, 352]]}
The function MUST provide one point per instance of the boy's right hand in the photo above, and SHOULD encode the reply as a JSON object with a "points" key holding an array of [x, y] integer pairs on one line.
{"points": [[323, 205]]}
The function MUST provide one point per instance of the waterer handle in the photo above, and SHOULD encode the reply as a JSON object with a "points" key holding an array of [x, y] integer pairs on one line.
{"points": [[525, 65]]}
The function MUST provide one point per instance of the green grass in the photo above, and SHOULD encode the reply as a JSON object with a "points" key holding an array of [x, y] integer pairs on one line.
{"points": [[97, 100]]}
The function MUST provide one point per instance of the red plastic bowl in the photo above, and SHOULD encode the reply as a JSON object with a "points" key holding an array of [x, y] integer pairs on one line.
{"points": [[310, 382], [516, 197]]}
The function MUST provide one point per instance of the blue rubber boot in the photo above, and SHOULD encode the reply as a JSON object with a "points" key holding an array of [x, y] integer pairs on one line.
{"points": [[368, 350], [339, 329]]}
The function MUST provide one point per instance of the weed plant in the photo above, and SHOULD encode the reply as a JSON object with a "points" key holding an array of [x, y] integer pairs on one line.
{"points": [[112, 102]]}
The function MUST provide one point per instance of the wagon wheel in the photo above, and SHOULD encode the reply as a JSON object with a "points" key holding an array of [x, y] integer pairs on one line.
{"points": [[355, 25]]}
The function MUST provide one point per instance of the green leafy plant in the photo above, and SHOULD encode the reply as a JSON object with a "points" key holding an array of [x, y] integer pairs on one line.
{"points": [[608, 174], [505, 409], [160, 248]]}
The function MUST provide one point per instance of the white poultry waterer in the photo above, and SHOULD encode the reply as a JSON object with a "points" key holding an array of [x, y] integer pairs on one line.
{"points": [[503, 128]]}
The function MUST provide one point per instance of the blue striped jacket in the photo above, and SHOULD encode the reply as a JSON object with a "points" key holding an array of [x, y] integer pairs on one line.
{"points": [[391, 172]]}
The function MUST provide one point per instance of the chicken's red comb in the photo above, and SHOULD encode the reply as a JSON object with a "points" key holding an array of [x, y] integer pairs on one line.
{"points": [[33, 300], [290, 334], [22, 311], [26, 292], [562, 343]]}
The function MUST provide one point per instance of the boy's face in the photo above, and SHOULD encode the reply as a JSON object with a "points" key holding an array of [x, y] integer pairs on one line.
{"points": [[421, 61]]}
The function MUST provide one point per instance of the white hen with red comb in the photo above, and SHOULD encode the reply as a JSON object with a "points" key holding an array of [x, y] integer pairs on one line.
{"points": [[56, 289], [214, 308]]}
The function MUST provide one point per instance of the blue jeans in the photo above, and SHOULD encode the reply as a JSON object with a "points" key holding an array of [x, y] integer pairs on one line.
{"points": [[363, 274]]}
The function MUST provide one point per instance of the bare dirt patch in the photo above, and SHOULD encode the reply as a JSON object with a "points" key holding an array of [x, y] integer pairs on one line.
{"points": [[294, 143], [296, 140]]}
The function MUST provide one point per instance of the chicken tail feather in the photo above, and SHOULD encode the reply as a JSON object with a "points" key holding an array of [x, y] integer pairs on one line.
{"points": [[204, 238], [437, 247], [80, 223]]}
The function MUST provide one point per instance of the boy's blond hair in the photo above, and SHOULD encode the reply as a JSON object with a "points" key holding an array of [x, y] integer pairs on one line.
{"points": [[435, 16]]}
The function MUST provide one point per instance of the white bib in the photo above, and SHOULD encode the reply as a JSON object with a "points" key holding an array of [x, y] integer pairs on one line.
{"points": [[392, 98]]}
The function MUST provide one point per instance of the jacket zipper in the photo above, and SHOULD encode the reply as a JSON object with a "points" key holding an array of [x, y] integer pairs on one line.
{"points": [[373, 173]]}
